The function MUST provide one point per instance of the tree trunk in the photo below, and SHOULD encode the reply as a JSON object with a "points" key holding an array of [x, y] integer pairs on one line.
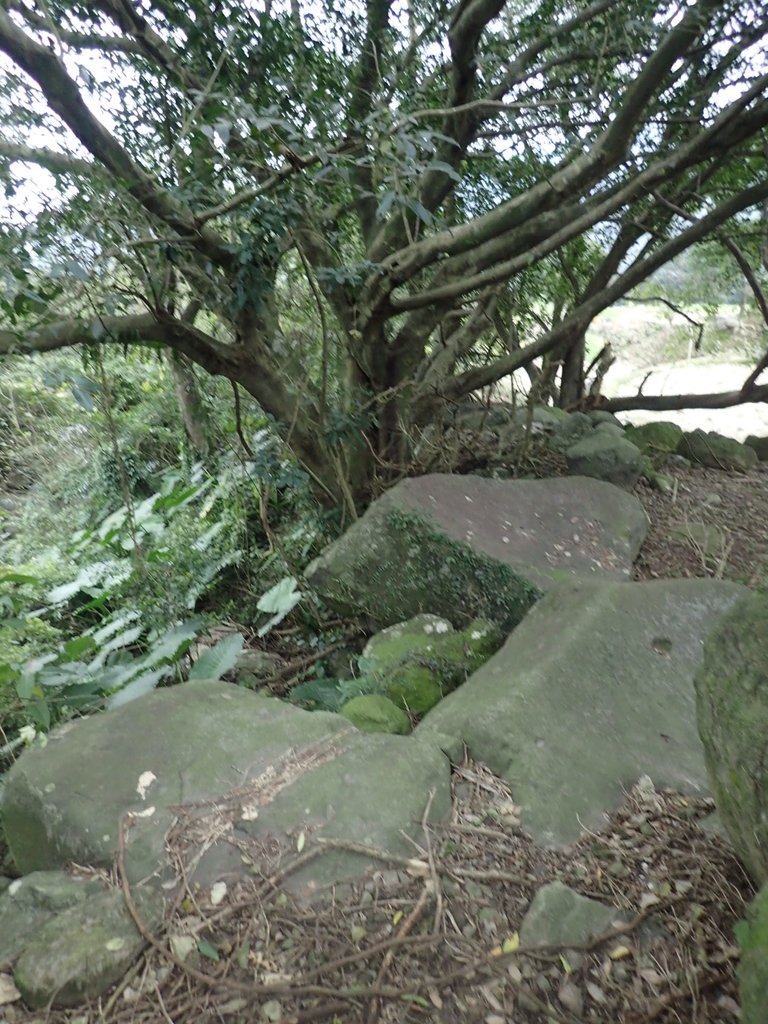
{"points": [[191, 407], [572, 374]]}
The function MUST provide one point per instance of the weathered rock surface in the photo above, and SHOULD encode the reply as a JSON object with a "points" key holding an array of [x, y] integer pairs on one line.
{"points": [[81, 951], [591, 691], [732, 705], [29, 902], [709, 448], [606, 457], [469, 547], [752, 936], [293, 771], [558, 916]]}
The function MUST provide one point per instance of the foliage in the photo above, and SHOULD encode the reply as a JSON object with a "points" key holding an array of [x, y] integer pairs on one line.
{"points": [[362, 213]]}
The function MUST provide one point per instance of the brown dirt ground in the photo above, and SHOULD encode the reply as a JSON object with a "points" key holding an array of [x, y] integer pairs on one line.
{"points": [[434, 939]]}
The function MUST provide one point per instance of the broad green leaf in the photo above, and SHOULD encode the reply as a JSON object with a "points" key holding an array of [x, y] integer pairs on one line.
{"points": [[220, 659], [173, 642], [14, 576], [137, 688]]}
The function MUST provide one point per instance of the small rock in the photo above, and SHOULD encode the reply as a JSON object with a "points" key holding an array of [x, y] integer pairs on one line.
{"points": [[373, 712]]}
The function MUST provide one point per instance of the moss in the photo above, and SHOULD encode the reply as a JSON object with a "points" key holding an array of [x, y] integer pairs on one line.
{"points": [[375, 713], [456, 580], [752, 936], [414, 687]]}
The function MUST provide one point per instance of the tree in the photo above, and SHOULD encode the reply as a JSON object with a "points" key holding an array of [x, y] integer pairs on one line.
{"points": [[463, 187]]}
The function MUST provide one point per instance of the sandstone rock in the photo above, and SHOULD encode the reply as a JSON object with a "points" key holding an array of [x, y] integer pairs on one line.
{"points": [[200, 742], [29, 902], [591, 691], [372, 712], [709, 448], [605, 457], [732, 705], [430, 642], [80, 952], [601, 416], [558, 916], [469, 547], [569, 431]]}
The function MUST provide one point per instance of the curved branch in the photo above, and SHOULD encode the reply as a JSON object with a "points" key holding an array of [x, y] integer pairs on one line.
{"points": [[63, 96], [668, 403], [56, 163], [138, 329], [580, 318]]}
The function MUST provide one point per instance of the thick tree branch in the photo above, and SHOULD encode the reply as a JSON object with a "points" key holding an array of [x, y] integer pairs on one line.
{"points": [[586, 311], [50, 159], [667, 403], [63, 96], [574, 176]]}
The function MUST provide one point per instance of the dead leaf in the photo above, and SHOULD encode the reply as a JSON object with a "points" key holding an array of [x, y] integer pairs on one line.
{"points": [[596, 993], [571, 997], [8, 991]]}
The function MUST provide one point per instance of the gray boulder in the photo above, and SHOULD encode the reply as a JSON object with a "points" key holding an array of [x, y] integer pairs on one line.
{"points": [[606, 457], [571, 429], [558, 916], [760, 446], [201, 742], [82, 951], [732, 705], [752, 936], [709, 448], [591, 691], [29, 902], [602, 416], [469, 547]]}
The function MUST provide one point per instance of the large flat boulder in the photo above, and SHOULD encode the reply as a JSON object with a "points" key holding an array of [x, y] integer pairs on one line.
{"points": [[593, 690], [467, 547], [203, 749]]}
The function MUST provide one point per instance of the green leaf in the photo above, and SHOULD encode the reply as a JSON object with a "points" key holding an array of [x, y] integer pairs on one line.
{"points": [[14, 576], [220, 659], [137, 688], [124, 639], [74, 649], [281, 598], [421, 211], [441, 165], [206, 949], [172, 644]]}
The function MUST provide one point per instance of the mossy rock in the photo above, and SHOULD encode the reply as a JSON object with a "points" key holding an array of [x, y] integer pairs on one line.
{"points": [[430, 642], [732, 712], [752, 936], [605, 457], [569, 431], [415, 688], [709, 448], [760, 445], [420, 633], [373, 712], [395, 561], [656, 439]]}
